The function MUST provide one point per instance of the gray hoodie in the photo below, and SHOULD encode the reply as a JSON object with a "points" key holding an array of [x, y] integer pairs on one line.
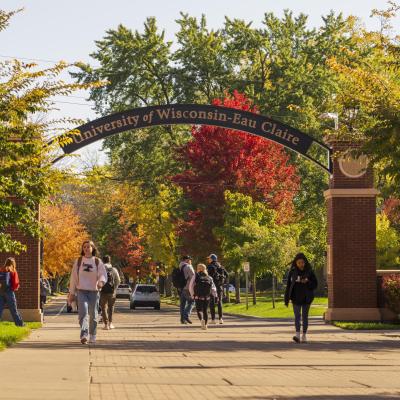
{"points": [[188, 271]]}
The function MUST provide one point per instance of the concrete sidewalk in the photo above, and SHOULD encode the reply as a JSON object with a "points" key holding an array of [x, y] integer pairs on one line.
{"points": [[151, 356]]}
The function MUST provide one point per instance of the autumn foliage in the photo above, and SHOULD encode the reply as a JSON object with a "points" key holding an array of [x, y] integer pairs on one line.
{"points": [[62, 240], [128, 249], [219, 159]]}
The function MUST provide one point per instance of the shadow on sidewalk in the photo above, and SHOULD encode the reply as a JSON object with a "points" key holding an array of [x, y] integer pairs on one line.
{"points": [[317, 397], [210, 344]]}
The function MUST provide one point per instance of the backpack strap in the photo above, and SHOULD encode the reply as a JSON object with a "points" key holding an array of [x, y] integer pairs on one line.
{"points": [[79, 263]]}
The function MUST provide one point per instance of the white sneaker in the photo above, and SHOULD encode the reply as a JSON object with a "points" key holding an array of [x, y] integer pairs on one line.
{"points": [[213, 322], [221, 321], [106, 327], [203, 324], [92, 339], [304, 338], [111, 326]]}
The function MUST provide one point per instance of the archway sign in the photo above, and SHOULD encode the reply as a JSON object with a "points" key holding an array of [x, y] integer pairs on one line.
{"points": [[197, 114]]}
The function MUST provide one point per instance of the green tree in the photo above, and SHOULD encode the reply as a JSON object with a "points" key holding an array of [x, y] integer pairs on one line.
{"points": [[387, 244], [251, 233], [26, 175]]}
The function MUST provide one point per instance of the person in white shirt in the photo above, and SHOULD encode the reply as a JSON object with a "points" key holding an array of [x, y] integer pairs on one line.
{"points": [[88, 276]]}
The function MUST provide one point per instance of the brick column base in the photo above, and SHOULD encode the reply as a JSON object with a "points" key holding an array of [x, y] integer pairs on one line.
{"points": [[27, 314]]}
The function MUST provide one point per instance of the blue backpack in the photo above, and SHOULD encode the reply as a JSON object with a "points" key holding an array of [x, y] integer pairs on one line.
{"points": [[4, 282]]}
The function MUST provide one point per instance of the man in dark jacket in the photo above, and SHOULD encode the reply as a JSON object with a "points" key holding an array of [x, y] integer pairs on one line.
{"points": [[300, 287], [220, 277]]}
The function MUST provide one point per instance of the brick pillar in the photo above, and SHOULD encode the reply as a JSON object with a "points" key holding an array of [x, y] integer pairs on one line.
{"points": [[28, 267], [351, 206]]}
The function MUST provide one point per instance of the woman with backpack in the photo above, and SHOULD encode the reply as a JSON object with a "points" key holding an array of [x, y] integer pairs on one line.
{"points": [[300, 287], [202, 288], [88, 276], [9, 284]]}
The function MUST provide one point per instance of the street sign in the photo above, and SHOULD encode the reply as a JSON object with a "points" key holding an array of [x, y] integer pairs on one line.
{"points": [[246, 269], [246, 266]]}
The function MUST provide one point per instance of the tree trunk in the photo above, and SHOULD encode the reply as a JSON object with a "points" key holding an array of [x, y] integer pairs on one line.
{"points": [[254, 287], [273, 291], [227, 294], [237, 286], [161, 283], [168, 288]]}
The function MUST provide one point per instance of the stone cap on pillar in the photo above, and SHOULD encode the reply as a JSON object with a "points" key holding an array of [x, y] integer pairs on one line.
{"points": [[349, 170]]}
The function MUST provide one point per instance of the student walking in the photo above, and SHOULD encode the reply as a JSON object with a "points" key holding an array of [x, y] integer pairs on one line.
{"points": [[9, 284], [220, 276], [108, 293], [300, 288], [45, 289], [202, 288], [88, 276], [182, 278]]}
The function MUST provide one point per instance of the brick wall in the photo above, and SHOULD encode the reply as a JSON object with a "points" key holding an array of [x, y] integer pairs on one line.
{"points": [[28, 267]]}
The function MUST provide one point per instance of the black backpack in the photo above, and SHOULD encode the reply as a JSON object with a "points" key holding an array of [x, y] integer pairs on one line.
{"points": [[109, 286], [202, 285], [178, 277], [4, 282], [218, 275]]}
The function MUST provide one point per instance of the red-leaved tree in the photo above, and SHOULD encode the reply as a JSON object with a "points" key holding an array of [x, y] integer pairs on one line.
{"points": [[129, 250], [219, 159], [391, 207]]}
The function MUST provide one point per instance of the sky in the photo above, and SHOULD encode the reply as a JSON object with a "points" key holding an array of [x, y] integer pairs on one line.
{"points": [[51, 30]]}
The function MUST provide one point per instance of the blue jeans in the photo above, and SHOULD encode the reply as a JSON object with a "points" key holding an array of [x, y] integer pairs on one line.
{"points": [[9, 299], [88, 304], [301, 310], [186, 304]]}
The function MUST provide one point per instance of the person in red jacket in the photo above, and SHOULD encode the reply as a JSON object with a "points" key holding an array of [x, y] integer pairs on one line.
{"points": [[9, 283]]}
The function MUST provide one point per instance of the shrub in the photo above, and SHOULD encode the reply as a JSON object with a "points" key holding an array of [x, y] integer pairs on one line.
{"points": [[391, 289]]}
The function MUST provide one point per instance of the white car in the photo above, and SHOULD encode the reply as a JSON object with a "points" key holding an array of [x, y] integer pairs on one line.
{"points": [[231, 289], [124, 290], [145, 296]]}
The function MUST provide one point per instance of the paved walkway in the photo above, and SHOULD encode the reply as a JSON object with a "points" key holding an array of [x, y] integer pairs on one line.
{"points": [[150, 356]]}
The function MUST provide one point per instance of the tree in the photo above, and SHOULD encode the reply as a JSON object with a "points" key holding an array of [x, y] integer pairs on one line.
{"points": [[218, 159], [368, 99], [387, 244], [62, 240], [26, 176], [127, 247], [251, 233], [391, 208]]}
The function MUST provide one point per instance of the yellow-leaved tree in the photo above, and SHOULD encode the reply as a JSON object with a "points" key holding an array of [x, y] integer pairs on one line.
{"points": [[63, 236]]}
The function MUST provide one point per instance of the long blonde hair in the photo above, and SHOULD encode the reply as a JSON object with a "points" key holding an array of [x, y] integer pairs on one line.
{"points": [[10, 265], [202, 268]]}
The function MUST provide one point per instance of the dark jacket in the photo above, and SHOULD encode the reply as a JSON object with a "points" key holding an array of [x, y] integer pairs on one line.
{"points": [[298, 292], [214, 267]]}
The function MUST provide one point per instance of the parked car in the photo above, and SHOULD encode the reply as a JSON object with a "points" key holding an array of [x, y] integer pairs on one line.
{"points": [[124, 291], [145, 296], [231, 288]]}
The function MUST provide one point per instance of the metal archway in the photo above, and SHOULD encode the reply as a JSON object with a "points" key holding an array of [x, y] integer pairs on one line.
{"points": [[198, 114]]}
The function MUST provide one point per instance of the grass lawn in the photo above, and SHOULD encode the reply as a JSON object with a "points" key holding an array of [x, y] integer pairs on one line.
{"points": [[366, 325], [264, 308], [10, 334]]}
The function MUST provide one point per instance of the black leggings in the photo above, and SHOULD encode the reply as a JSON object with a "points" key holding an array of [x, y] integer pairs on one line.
{"points": [[201, 308]]}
